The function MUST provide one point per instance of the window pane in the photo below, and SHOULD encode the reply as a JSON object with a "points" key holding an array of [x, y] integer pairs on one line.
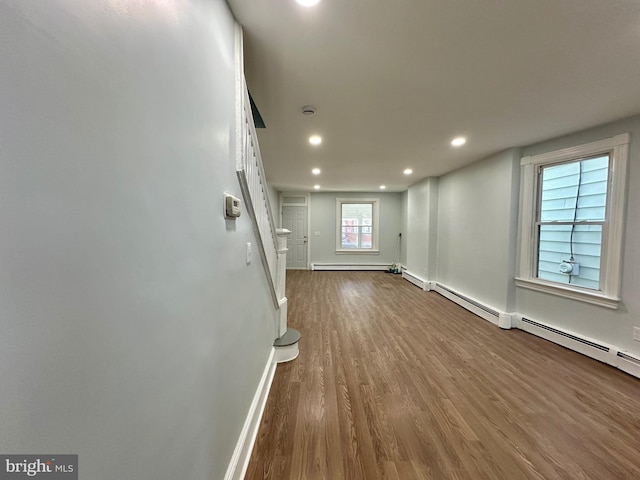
{"points": [[575, 191], [556, 244], [357, 225]]}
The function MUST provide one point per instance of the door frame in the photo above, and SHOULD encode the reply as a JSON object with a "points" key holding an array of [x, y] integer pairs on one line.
{"points": [[307, 198]]}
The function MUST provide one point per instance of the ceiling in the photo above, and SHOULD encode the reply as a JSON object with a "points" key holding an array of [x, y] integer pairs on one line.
{"points": [[393, 82]]}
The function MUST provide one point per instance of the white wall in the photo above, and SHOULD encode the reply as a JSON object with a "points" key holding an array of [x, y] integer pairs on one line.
{"points": [[477, 229], [477, 214], [612, 326], [126, 336], [322, 211], [421, 228]]}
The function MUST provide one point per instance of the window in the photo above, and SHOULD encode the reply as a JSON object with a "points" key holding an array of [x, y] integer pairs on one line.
{"points": [[357, 225], [572, 219]]}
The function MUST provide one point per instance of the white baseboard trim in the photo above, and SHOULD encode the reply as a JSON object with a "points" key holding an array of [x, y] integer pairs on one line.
{"points": [[350, 266], [242, 453]]}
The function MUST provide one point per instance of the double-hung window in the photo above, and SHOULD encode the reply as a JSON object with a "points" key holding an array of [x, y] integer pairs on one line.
{"points": [[357, 225], [572, 220]]}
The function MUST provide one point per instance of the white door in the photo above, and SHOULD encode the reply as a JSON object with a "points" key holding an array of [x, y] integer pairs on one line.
{"points": [[295, 219]]}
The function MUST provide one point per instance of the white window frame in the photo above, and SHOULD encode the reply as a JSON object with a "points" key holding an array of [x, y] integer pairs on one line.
{"points": [[612, 232], [375, 202]]}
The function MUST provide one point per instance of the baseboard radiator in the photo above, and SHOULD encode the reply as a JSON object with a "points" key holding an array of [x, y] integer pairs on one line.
{"points": [[350, 266], [502, 319], [417, 280], [610, 354]]}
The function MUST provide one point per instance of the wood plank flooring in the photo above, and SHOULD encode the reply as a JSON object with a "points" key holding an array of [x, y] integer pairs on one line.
{"points": [[400, 384]]}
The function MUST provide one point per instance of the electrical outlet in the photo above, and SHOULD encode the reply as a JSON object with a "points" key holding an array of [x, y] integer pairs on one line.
{"points": [[636, 334]]}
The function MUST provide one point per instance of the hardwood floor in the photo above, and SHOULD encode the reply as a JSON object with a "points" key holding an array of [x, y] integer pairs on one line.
{"points": [[396, 383]]}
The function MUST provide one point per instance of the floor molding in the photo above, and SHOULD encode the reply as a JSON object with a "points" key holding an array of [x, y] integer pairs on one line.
{"points": [[242, 453]]}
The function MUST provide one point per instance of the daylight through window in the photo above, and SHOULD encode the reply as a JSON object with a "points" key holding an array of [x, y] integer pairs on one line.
{"points": [[357, 225], [572, 209]]}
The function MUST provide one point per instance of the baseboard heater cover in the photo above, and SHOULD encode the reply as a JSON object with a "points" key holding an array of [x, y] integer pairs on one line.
{"points": [[350, 266], [568, 335], [502, 319], [611, 355], [417, 280], [630, 357], [629, 363], [473, 302], [573, 341]]}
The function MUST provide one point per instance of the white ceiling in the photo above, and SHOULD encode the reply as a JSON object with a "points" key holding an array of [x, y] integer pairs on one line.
{"points": [[394, 81]]}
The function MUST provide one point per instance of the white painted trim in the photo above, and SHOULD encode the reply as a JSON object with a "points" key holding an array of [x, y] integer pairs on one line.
{"points": [[417, 280], [375, 233], [306, 195], [350, 266], [630, 365], [505, 320], [288, 353], [613, 228], [589, 296], [283, 316], [474, 307], [242, 453], [566, 340], [577, 151]]}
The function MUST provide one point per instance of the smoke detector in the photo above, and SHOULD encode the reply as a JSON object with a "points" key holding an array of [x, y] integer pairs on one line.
{"points": [[308, 110]]}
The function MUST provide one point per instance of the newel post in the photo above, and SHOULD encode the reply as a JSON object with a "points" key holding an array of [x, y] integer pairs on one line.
{"points": [[281, 277]]}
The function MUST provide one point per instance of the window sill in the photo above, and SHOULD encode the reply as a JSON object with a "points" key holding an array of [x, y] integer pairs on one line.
{"points": [[357, 252], [593, 297]]}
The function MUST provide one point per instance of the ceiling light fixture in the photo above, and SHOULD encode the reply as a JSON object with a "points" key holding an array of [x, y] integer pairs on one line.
{"points": [[307, 3], [458, 141], [316, 187], [315, 171], [407, 171], [315, 139], [383, 187]]}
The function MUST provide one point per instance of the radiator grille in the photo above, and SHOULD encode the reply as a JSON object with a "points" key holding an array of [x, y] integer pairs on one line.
{"points": [[472, 302], [566, 335], [631, 358]]}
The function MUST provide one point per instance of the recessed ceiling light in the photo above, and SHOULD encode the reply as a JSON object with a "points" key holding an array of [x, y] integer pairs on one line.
{"points": [[315, 171], [407, 171], [383, 187], [307, 3], [458, 141], [315, 139], [316, 187]]}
